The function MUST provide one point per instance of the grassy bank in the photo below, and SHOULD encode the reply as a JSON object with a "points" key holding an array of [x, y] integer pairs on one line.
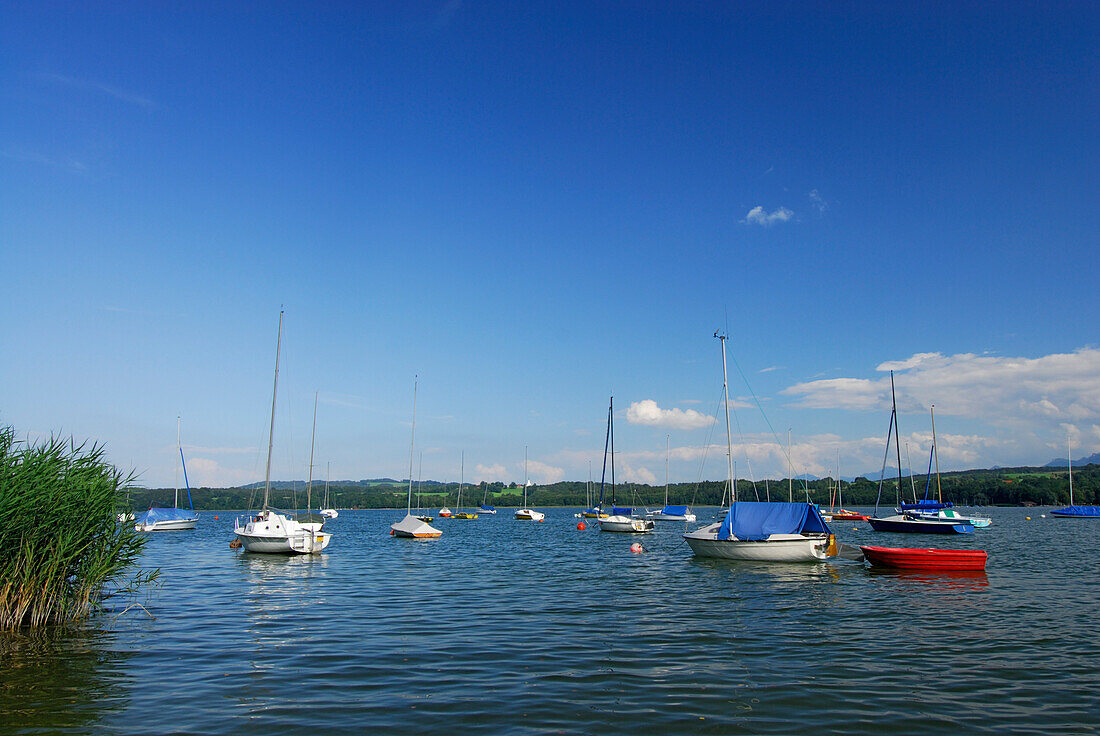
{"points": [[63, 547]]}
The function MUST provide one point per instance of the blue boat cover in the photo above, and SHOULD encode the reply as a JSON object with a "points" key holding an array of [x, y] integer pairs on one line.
{"points": [[621, 510], [158, 514], [757, 520], [488, 507], [1078, 511], [675, 510], [926, 505]]}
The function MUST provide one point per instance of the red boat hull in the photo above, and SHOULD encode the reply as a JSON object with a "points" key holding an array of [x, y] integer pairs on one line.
{"points": [[925, 559]]}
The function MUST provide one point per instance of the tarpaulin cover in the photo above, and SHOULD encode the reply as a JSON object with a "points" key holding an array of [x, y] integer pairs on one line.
{"points": [[756, 520], [621, 510], [1078, 511], [675, 510], [926, 505]]}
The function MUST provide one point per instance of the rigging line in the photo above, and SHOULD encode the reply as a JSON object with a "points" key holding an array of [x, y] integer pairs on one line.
{"points": [[759, 406], [706, 448], [748, 461]]}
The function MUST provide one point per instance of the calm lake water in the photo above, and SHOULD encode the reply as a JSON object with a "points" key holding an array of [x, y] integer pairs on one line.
{"points": [[503, 626]]}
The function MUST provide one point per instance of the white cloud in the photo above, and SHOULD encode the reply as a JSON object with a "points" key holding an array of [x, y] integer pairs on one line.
{"points": [[647, 413], [817, 202], [757, 215], [543, 473], [491, 473], [993, 389]]}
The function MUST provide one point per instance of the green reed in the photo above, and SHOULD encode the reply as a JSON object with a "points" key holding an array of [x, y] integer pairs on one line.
{"points": [[62, 547]]}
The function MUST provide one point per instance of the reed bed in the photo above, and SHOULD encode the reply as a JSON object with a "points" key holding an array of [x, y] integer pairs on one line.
{"points": [[63, 548]]}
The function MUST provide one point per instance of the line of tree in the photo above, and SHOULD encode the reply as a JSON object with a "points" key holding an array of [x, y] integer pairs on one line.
{"points": [[1000, 487]]}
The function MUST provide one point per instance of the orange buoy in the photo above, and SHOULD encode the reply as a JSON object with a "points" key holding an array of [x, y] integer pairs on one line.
{"points": [[637, 547], [215, 518]]}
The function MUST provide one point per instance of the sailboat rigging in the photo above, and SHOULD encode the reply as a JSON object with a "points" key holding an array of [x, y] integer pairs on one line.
{"points": [[270, 531], [175, 518], [770, 531], [622, 519], [412, 527], [526, 514]]}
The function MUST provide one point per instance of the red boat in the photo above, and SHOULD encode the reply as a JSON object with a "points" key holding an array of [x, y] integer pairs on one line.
{"points": [[848, 516], [925, 559]]}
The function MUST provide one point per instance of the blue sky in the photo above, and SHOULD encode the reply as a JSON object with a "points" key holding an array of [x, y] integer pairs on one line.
{"points": [[534, 205]]}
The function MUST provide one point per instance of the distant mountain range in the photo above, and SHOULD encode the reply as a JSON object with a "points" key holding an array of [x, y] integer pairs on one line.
{"points": [[1060, 462]]}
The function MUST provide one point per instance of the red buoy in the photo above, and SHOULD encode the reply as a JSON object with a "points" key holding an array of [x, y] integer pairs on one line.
{"points": [[215, 518], [637, 547], [581, 526]]}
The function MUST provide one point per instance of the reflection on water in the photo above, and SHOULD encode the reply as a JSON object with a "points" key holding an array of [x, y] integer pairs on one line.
{"points": [[58, 680], [511, 627]]}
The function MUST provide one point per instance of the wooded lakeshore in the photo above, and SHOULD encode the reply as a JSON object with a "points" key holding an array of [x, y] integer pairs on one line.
{"points": [[1041, 486]]}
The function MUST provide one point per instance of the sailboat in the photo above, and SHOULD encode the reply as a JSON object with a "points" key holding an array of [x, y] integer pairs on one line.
{"points": [[175, 518], [1072, 511], [621, 519], [526, 514], [327, 511], [486, 507], [270, 531], [937, 509], [837, 512], [460, 514], [903, 521], [413, 527], [767, 531], [671, 513]]}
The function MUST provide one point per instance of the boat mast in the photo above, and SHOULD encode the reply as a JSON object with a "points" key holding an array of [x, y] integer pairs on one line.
{"points": [[897, 431], [525, 476], [611, 431], [179, 448], [936, 454], [666, 469], [271, 433], [312, 440], [412, 436], [729, 436], [606, 441], [790, 476], [1069, 466], [461, 476]]}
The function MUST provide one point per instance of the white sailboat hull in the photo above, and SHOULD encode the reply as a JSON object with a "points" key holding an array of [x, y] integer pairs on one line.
{"points": [[171, 525], [776, 548], [272, 533], [659, 516], [530, 515], [626, 524], [329, 513]]}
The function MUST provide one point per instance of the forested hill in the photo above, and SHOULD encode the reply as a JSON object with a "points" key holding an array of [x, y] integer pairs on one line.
{"points": [[1000, 486]]}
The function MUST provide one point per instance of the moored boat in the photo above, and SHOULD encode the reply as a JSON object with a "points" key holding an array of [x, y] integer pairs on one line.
{"points": [[773, 531], [414, 526], [1072, 511], [905, 523], [925, 559], [270, 531]]}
